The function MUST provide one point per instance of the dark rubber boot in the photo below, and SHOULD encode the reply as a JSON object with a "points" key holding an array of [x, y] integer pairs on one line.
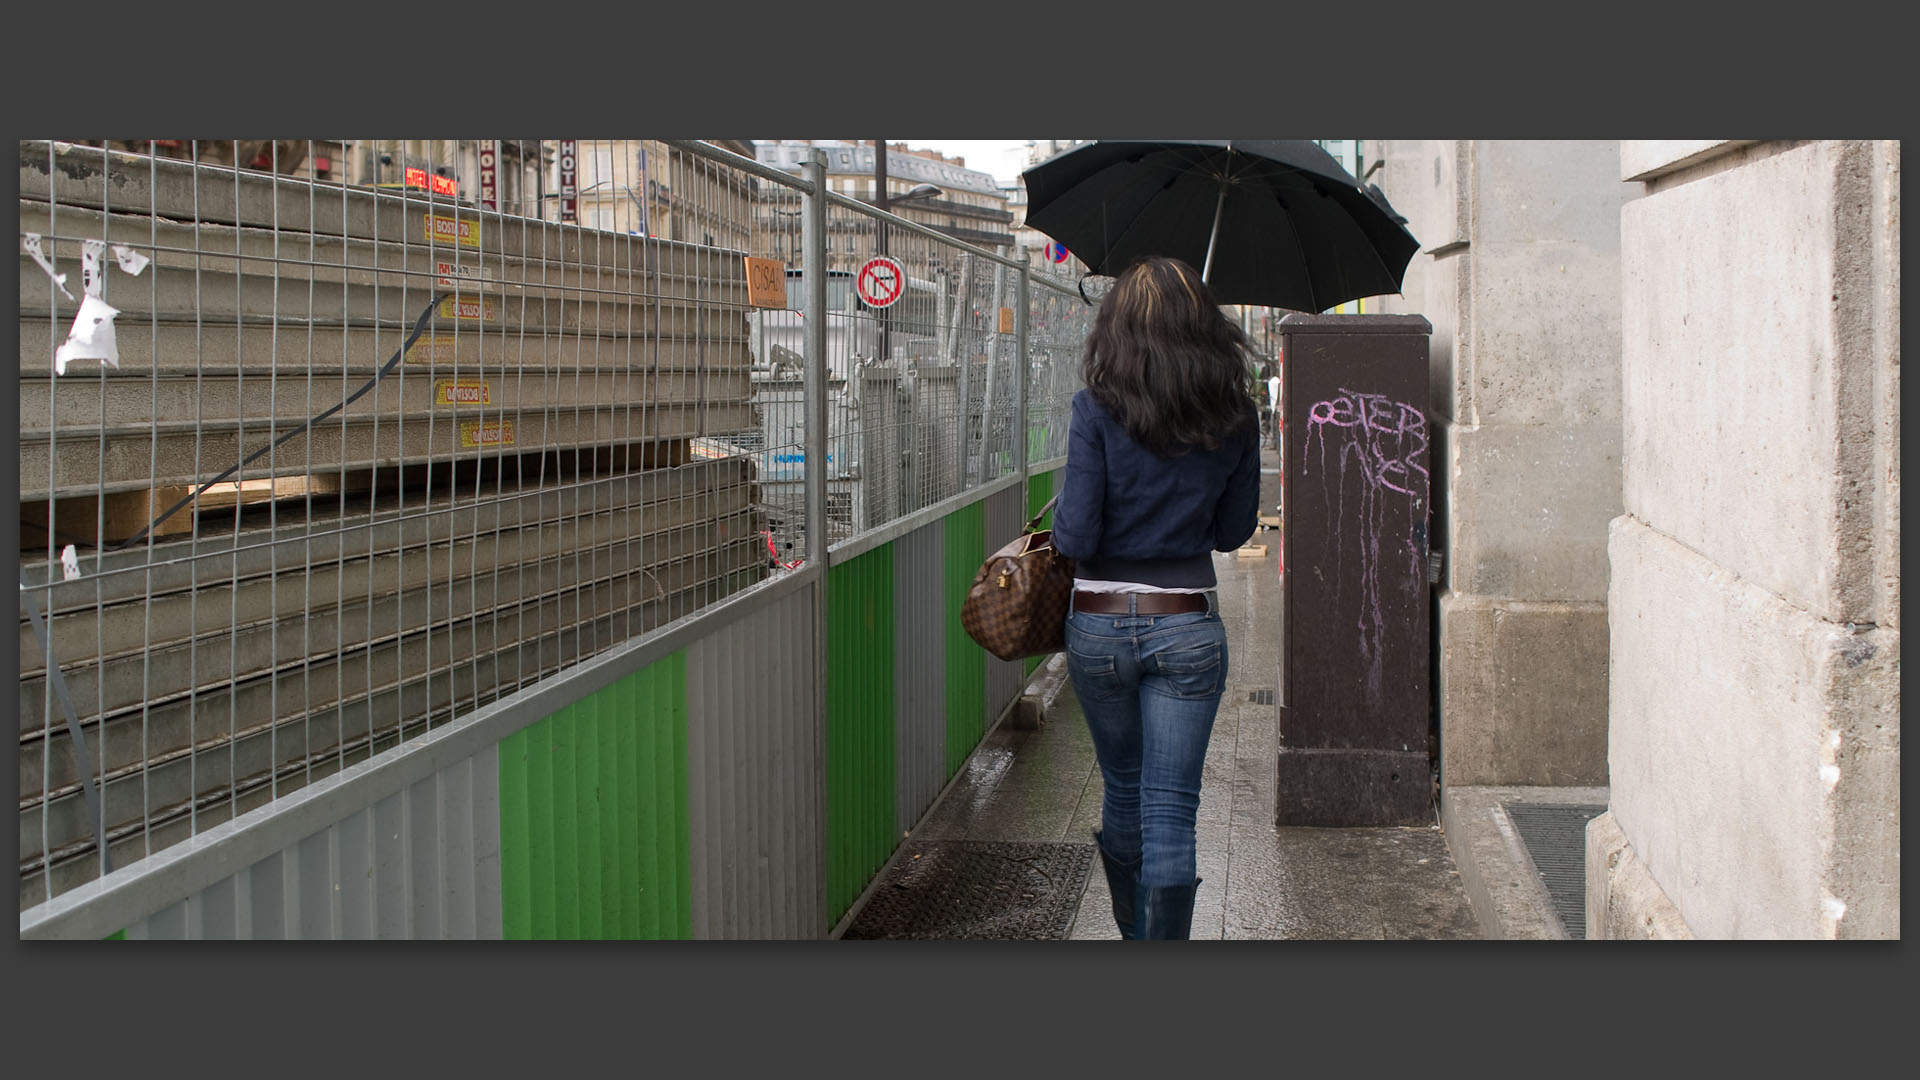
{"points": [[1123, 881], [1167, 911]]}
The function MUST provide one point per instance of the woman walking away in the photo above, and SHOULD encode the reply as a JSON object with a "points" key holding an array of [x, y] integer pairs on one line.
{"points": [[1163, 469]]}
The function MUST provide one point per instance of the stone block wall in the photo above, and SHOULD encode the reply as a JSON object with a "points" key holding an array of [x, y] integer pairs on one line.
{"points": [[1519, 273], [1754, 600]]}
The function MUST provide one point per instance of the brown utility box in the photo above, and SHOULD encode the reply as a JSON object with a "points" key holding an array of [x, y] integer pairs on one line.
{"points": [[1354, 704]]}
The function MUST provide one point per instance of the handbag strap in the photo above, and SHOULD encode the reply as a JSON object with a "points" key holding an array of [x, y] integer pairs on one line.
{"points": [[1034, 523]]}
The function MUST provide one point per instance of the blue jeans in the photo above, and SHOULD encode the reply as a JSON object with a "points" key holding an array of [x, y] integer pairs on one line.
{"points": [[1150, 686]]}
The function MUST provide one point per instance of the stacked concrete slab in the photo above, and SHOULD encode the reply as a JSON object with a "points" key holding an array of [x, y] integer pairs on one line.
{"points": [[509, 496]]}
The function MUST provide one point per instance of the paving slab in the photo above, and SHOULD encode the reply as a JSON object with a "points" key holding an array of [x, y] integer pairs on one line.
{"points": [[1259, 882]]}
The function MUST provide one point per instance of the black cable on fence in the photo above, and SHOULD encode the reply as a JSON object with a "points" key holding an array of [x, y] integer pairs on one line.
{"points": [[419, 325]]}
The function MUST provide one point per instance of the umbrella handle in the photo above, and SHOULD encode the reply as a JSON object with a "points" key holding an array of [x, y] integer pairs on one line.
{"points": [[1213, 237]]}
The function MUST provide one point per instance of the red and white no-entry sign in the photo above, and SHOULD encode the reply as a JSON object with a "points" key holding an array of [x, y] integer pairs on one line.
{"points": [[880, 281]]}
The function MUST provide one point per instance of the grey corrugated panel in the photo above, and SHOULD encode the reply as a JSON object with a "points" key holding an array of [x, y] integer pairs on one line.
{"points": [[481, 818], [1005, 512], [421, 863], [755, 782], [313, 899], [388, 840], [353, 874], [167, 924], [267, 896], [920, 670], [220, 915]]}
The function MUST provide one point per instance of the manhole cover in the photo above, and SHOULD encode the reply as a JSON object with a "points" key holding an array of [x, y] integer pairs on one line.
{"points": [[977, 890], [1556, 840]]}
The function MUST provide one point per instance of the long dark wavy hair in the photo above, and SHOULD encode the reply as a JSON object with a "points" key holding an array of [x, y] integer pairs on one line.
{"points": [[1166, 362]]}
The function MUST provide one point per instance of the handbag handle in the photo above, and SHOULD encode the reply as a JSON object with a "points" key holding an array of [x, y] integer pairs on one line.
{"points": [[1034, 522]]}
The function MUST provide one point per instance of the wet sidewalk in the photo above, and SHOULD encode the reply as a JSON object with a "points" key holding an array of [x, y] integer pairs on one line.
{"points": [[1038, 784]]}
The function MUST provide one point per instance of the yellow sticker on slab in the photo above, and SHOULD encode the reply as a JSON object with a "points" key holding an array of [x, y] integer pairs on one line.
{"points": [[441, 229], [431, 347], [461, 392], [486, 433], [467, 307], [1006, 320]]}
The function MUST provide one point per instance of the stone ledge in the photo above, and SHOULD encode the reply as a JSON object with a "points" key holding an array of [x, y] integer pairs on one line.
{"points": [[1505, 890], [1624, 902], [1649, 159]]}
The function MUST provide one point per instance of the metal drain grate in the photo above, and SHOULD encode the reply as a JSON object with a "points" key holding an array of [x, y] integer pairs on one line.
{"points": [[976, 890], [1261, 697], [1556, 840]]}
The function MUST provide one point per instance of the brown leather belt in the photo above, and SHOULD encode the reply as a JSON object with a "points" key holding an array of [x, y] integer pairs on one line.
{"points": [[1144, 603]]}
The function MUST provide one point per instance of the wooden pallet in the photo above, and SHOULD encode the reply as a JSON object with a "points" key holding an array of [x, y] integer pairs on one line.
{"points": [[117, 516]]}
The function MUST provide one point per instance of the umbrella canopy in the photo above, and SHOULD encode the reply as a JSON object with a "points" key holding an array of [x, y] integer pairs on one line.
{"points": [[1276, 222]]}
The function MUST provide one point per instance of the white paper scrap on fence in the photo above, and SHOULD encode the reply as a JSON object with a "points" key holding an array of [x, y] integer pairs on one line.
{"points": [[70, 562], [90, 251], [32, 242], [91, 337], [130, 260]]}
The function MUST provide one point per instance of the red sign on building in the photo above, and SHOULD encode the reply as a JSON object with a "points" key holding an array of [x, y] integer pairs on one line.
{"points": [[490, 175], [569, 191], [434, 182]]}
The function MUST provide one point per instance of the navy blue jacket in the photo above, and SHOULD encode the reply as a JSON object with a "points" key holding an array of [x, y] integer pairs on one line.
{"points": [[1127, 514]]}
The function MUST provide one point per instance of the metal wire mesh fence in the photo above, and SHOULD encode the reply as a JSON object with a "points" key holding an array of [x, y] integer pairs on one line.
{"points": [[1058, 322], [320, 454], [324, 446]]}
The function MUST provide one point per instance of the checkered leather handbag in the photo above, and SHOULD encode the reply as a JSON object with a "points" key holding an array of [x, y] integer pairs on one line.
{"points": [[1017, 604]]}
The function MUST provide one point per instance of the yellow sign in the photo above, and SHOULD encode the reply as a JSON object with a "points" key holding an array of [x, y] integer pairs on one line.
{"points": [[766, 283], [456, 307], [461, 392], [1006, 320], [447, 230], [486, 433]]}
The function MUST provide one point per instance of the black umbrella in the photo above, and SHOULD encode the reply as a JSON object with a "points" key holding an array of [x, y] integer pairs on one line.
{"points": [[1275, 222]]}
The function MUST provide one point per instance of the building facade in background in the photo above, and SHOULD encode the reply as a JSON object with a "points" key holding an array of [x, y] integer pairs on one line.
{"points": [[969, 206]]}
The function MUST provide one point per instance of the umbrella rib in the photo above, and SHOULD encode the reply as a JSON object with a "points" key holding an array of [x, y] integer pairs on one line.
{"points": [[1300, 253]]}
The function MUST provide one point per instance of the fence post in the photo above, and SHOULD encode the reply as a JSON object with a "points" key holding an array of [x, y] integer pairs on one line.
{"points": [[962, 302], [1023, 369], [813, 240], [993, 363]]}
